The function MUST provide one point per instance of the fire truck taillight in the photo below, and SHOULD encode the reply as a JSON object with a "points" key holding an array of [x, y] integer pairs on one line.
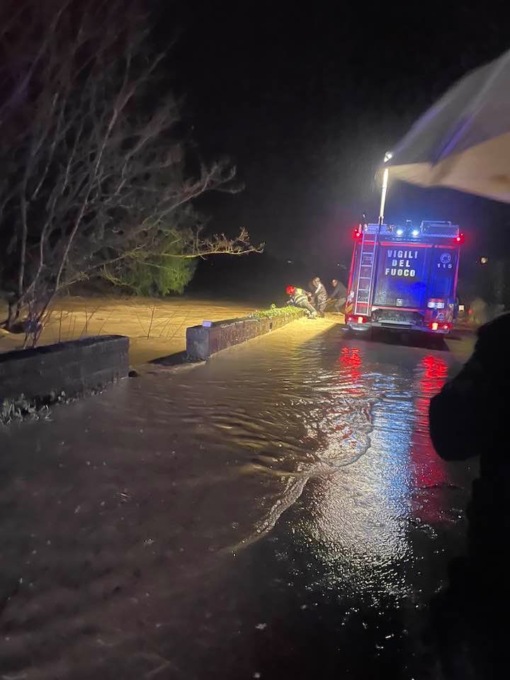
{"points": [[438, 326], [357, 234], [460, 238], [356, 319]]}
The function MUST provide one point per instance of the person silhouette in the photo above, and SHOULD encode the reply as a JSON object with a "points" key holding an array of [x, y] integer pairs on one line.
{"points": [[470, 418]]}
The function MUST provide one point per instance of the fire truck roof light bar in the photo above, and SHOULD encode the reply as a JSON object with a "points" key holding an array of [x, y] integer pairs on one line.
{"points": [[440, 230]]}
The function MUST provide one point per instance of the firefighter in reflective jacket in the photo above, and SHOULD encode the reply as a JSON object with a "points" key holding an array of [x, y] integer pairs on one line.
{"points": [[299, 298]]}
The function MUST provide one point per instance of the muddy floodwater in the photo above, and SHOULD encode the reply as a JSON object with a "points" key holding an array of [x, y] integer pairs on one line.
{"points": [[278, 512]]}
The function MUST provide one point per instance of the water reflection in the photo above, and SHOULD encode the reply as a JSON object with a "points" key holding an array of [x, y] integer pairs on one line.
{"points": [[358, 509], [376, 478], [430, 474], [350, 368], [310, 455]]}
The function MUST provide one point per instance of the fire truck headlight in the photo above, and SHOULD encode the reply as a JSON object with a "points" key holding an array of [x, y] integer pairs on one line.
{"points": [[415, 233], [400, 232]]}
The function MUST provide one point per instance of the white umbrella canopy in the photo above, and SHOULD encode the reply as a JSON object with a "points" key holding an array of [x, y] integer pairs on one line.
{"points": [[463, 141]]}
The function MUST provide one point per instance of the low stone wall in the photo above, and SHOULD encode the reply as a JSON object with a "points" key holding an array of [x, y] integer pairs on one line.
{"points": [[203, 341], [70, 367]]}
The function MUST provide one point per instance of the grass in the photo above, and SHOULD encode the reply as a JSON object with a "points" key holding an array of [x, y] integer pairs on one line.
{"points": [[274, 312]]}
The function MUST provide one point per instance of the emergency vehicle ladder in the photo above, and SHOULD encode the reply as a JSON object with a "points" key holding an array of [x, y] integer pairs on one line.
{"points": [[363, 299]]}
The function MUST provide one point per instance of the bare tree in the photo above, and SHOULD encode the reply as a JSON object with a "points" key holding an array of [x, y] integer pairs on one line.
{"points": [[93, 172]]}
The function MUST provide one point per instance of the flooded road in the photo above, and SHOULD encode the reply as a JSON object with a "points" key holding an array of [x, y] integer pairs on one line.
{"points": [[278, 512]]}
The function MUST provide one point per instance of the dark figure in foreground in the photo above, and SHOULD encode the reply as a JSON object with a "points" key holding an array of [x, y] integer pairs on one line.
{"points": [[470, 418], [299, 298], [320, 296], [338, 294]]}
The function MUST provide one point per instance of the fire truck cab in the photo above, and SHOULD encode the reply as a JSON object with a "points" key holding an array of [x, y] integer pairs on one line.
{"points": [[404, 277]]}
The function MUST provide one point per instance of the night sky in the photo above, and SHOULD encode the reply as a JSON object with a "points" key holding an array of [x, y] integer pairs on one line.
{"points": [[307, 100]]}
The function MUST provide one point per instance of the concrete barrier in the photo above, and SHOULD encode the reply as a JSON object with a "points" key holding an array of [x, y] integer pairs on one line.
{"points": [[204, 341], [70, 367]]}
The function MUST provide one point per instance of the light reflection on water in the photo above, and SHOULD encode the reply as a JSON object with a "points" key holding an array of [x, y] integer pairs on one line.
{"points": [[343, 426], [336, 428], [345, 423], [359, 520], [284, 470], [385, 480]]}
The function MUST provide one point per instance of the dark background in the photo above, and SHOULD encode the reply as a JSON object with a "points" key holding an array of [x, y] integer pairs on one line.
{"points": [[307, 98]]}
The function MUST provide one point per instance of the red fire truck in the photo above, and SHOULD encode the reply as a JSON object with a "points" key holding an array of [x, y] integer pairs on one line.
{"points": [[404, 277]]}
